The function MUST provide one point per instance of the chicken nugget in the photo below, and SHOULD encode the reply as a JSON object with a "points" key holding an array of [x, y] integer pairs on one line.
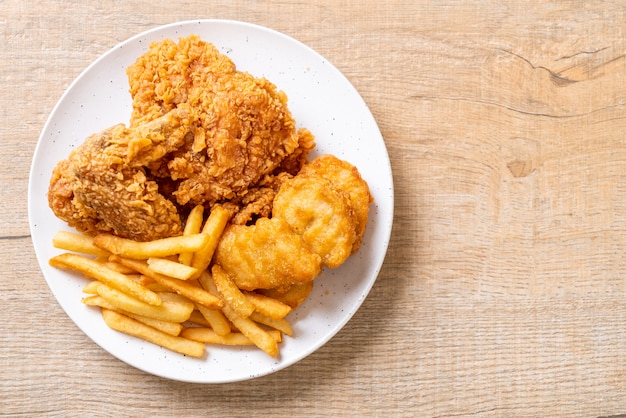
{"points": [[346, 177], [266, 255], [321, 213]]}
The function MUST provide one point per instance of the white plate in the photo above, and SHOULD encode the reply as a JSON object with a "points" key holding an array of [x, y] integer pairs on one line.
{"points": [[320, 98]]}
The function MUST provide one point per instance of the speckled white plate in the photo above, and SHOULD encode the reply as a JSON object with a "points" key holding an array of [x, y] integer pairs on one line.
{"points": [[320, 98]]}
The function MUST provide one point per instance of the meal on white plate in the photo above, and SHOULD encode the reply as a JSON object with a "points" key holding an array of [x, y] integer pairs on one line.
{"points": [[204, 221]]}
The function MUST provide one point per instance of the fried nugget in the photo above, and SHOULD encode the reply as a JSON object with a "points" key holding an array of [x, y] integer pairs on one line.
{"points": [[266, 255], [321, 213], [346, 177]]}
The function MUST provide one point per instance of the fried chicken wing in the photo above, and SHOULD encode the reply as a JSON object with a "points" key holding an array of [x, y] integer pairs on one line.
{"points": [[103, 186], [266, 255]]}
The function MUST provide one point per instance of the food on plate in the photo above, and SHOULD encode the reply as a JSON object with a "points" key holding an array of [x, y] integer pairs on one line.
{"points": [[135, 328], [201, 132], [268, 254], [346, 177], [202, 221], [103, 186], [321, 214]]}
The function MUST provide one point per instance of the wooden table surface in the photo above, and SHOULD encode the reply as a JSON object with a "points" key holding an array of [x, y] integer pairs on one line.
{"points": [[503, 292]]}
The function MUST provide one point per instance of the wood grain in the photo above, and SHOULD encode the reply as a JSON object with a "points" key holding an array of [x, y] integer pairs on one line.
{"points": [[503, 291]]}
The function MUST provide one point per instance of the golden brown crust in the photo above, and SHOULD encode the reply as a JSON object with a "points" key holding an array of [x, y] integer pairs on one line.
{"points": [[268, 254], [346, 177]]}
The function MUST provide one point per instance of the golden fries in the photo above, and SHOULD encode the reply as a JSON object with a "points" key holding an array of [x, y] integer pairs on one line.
{"points": [[171, 268], [93, 269], [71, 241], [153, 290], [192, 226], [135, 328], [172, 309], [213, 228], [267, 306], [250, 329], [194, 293], [215, 319], [209, 336], [230, 293], [158, 248], [280, 324]]}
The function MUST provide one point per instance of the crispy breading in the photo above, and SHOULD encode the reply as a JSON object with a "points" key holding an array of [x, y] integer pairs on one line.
{"points": [[239, 135], [346, 177], [268, 254], [321, 213], [244, 129], [103, 187]]}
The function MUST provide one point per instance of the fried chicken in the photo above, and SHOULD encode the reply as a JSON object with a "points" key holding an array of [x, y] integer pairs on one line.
{"points": [[321, 214], [200, 132], [103, 185], [244, 129]]}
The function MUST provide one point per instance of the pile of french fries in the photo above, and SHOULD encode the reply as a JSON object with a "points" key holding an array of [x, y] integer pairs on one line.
{"points": [[166, 291]]}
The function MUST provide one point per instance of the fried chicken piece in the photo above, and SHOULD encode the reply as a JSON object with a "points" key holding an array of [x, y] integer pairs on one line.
{"points": [[346, 177], [103, 185], [243, 130], [320, 213], [266, 255]]}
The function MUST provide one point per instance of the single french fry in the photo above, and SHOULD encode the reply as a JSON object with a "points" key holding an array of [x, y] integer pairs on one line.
{"points": [[171, 268], [280, 324], [206, 281], [192, 226], [97, 300], [197, 319], [91, 288], [171, 328], [213, 228], [267, 306], [216, 320], [173, 308], [194, 293], [207, 335], [135, 328], [95, 270], [158, 248], [71, 241], [230, 293], [260, 337], [115, 266], [158, 287]]}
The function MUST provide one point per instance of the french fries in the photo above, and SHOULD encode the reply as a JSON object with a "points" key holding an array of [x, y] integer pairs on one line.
{"points": [[167, 291], [135, 328], [207, 335], [267, 306], [70, 241], [192, 226], [194, 293], [93, 269], [171, 268], [213, 227], [230, 293], [158, 248]]}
